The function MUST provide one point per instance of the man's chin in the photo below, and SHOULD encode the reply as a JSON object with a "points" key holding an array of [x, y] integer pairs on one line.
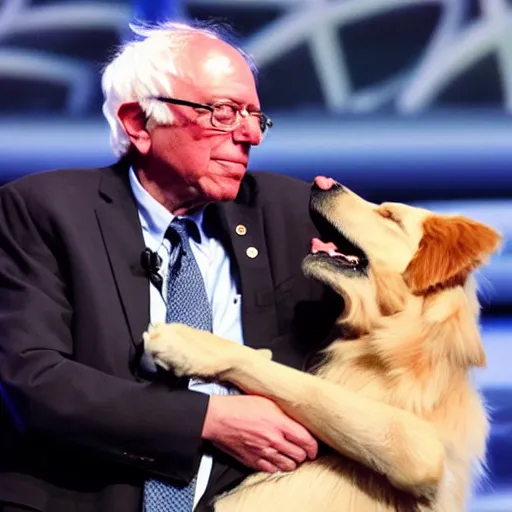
{"points": [[224, 188], [226, 193]]}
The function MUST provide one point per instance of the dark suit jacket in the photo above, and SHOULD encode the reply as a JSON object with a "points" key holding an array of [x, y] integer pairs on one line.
{"points": [[81, 430]]}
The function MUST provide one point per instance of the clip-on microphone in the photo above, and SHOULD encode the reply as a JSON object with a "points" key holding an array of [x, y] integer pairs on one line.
{"points": [[151, 263]]}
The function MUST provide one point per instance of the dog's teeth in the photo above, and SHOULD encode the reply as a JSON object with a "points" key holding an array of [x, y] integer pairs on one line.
{"points": [[352, 259]]}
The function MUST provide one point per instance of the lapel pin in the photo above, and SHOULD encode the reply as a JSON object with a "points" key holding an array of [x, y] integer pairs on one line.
{"points": [[241, 230]]}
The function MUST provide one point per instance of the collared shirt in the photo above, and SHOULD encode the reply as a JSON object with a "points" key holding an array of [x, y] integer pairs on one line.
{"points": [[221, 289]]}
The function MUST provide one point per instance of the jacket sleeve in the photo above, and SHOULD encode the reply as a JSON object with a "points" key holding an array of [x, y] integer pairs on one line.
{"points": [[53, 397]]}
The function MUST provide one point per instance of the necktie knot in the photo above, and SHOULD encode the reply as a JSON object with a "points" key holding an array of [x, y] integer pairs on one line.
{"points": [[180, 225], [179, 231]]}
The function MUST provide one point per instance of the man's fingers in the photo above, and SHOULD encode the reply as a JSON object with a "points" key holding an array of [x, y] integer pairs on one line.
{"points": [[299, 436], [291, 450], [266, 466], [283, 462], [278, 459], [271, 460]]}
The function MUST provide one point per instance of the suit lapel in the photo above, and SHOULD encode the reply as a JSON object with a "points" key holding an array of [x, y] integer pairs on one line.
{"points": [[122, 235], [244, 224], [259, 316]]}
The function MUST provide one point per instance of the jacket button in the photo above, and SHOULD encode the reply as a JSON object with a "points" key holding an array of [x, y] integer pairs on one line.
{"points": [[251, 252]]}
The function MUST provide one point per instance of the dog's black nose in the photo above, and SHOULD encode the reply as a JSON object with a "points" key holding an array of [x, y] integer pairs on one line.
{"points": [[325, 184]]}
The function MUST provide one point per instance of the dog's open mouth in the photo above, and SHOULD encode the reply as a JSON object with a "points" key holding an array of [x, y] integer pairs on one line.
{"points": [[336, 246]]}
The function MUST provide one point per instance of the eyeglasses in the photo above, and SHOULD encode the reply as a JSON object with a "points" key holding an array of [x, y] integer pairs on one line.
{"points": [[225, 115]]}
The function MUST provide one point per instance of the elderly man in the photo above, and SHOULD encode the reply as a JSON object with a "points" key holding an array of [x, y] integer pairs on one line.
{"points": [[175, 231]]}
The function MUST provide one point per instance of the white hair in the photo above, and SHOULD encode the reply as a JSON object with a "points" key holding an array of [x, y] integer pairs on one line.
{"points": [[141, 68]]}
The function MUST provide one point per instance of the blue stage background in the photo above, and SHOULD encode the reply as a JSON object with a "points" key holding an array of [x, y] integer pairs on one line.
{"points": [[403, 100]]}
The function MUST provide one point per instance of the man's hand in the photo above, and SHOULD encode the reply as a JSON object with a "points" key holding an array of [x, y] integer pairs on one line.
{"points": [[253, 430]]}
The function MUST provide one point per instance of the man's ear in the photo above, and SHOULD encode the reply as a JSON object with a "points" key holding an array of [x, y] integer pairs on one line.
{"points": [[134, 122], [450, 249]]}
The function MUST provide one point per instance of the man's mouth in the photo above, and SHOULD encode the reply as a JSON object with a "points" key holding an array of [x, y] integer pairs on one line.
{"points": [[225, 161]]}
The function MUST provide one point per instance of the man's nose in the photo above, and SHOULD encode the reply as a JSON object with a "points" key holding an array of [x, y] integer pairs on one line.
{"points": [[248, 131]]}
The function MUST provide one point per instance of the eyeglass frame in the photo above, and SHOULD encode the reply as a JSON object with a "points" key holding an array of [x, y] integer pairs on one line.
{"points": [[265, 122]]}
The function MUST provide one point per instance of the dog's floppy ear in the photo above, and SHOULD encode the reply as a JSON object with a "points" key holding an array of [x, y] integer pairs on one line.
{"points": [[450, 249]]}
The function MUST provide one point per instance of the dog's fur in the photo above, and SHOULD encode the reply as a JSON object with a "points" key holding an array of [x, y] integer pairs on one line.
{"points": [[395, 402]]}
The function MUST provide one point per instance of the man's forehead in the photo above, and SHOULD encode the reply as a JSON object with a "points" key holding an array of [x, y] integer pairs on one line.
{"points": [[218, 64], [211, 57], [213, 68]]}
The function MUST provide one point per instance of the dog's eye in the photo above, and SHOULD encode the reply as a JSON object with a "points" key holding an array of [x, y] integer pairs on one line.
{"points": [[388, 214]]}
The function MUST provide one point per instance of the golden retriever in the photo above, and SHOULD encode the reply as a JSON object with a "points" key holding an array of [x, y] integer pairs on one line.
{"points": [[394, 402]]}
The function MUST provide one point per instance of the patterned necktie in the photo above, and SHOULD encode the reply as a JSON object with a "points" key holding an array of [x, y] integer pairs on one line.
{"points": [[187, 303]]}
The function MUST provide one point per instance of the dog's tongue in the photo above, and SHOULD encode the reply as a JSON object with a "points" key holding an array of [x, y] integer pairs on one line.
{"points": [[328, 247], [318, 246]]}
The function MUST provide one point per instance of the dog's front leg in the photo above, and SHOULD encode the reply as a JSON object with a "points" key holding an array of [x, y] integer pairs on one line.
{"points": [[194, 353]]}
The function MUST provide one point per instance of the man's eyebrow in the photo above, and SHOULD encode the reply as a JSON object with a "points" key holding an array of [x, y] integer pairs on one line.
{"points": [[249, 106]]}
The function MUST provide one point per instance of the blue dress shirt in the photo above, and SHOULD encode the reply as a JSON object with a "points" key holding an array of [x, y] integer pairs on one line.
{"points": [[221, 288]]}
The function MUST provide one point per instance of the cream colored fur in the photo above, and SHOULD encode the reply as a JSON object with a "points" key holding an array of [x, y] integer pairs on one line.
{"points": [[395, 403]]}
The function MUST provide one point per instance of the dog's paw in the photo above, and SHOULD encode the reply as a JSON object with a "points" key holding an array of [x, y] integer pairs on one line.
{"points": [[188, 352], [168, 347]]}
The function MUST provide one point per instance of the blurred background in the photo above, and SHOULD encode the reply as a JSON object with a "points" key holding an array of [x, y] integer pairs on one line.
{"points": [[405, 100]]}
